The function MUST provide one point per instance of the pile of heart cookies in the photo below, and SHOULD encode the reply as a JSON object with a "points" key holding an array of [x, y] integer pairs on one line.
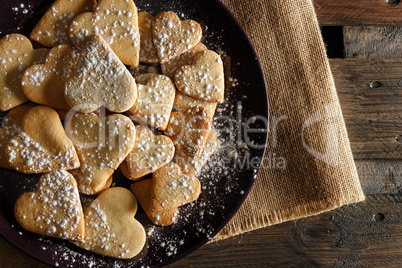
{"points": [[83, 80]]}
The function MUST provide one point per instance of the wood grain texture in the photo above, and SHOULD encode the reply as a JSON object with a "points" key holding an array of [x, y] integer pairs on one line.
{"points": [[367, 234], [372, 113], [380, 176], [372, 42], [358, 12]]}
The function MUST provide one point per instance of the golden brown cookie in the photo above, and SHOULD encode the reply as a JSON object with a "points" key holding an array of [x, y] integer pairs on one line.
{"points": [[117, 22], [83, 184], [193, 167], [171, 189], [150, 152], [155, 101], [42, 146], [16, 54], [124, 169], [102, 143], [45, 83], [183, 102], [189, 130], [110, 226], [142, 191], [54, 209], [172, 36], [169, 68], [11, 127], [204, 79], [100, 79], [53, 27], [147, 51]]}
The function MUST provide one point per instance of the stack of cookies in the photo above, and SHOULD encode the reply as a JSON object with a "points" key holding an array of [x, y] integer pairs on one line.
{"points": [[112, 120]]}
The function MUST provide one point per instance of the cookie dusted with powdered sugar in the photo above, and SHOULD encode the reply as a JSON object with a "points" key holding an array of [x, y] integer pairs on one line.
{"points": [[150, 152], [162, 217], [16, 54], [147, 51], [53, 209], [204, 79], [117, 22], [100, 79], [169, 68], [53, 28], [42, 146], [110, 226], [45, 83], [172, 37], [189, 130], [82, 183], [155, 101], [102, 143], [183, 102], [11, 127], [189, 165], [171, 188]]}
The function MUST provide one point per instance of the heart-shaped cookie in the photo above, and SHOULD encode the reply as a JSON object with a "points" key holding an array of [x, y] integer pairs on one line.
{"points": [[142, 191], [150, 152], [110, 227], [190, 166], [171, 189], [172, 36], [189, 130], [83, 183], [155, 101], [16, 54], [204, 79], [42, 146], [45, 83], [53, 28], [183, 102], [169, 68], [117, 22], [102, 143], [11, 127], [147, 51], [100, 79], [54, 209]]}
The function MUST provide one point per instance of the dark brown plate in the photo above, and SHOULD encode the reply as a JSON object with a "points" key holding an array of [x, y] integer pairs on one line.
{"points": [[242, 123]]}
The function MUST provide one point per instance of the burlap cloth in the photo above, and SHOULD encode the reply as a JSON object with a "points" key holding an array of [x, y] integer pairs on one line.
{"points": [[308, 167]]}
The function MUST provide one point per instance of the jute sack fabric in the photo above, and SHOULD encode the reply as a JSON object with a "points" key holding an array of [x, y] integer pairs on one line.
{"points": [[308, 168]]}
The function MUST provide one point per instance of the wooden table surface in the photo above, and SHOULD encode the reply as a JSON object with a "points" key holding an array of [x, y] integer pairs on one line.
{"points": [[364, 43]]}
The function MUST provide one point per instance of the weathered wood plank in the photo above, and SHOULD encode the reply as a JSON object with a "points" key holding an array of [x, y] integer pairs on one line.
{"points": [[372, 42], [358, 12], [370, 93], [367, 234], [380, 176]]}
